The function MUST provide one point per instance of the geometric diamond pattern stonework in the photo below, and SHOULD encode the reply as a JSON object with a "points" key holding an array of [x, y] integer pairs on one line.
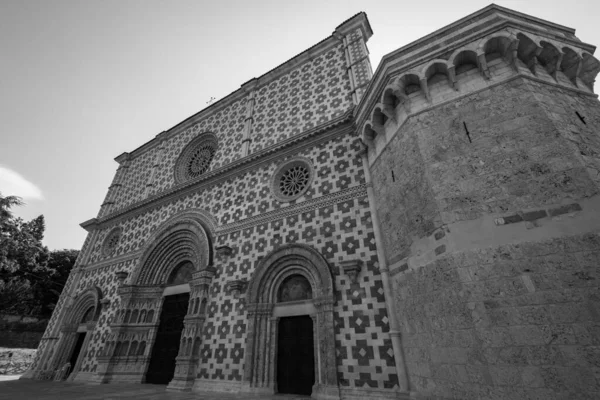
{"points": [[363, 192]]}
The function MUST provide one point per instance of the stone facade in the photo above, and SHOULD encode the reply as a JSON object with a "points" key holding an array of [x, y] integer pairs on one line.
{"points": [[445, 212]]}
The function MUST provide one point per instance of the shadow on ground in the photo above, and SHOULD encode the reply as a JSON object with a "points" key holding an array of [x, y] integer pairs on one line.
{"points": [[50, 390]]}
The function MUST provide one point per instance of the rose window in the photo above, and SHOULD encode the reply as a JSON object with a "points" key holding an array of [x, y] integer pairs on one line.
{"points": [[196, 157], [292, 179], [200, 160], [111, 242]]}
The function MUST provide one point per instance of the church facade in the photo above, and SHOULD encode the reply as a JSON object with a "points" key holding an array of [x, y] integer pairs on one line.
{"points": [[430, 230]]}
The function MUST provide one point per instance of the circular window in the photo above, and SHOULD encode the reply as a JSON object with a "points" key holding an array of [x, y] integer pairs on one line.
{"points": [[195, 158], [292, 179], [110, 243]]}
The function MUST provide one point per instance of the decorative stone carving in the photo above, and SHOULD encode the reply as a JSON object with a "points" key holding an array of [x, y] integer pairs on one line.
{"points": [[236, 287], [196, 157], [272, 271], [352, 269], [224, 251], [292, 179], [109, 246], [121, 276]]}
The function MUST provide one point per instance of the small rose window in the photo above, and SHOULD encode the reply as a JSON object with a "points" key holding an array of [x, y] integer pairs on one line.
{"points": [[292, 179], [111, 242]]}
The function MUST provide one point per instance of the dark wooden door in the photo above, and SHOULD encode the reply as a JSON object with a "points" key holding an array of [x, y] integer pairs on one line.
{"points": [[295, 355], [77, 349], [166, 346]]}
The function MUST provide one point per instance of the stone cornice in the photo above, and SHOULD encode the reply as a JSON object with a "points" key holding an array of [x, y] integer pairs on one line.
{"points": [[454, 36], [339, 126], [358, 21], [333, 198], [113, 260], [90, 225], [575, 90], [121, 158]]}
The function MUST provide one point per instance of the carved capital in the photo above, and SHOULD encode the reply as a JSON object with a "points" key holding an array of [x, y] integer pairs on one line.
{"points": [[236, 287], [352, 269], [121, 276], [224, 251]]}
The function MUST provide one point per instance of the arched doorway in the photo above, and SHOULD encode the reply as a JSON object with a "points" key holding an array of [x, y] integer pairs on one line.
{"points": [[295, 360], [161, 368], [156, 335], [76, 332], [290, 300]]}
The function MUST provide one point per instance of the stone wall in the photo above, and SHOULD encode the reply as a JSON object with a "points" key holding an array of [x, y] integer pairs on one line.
{"points": [[311, 94], [406, 205], [517, 157], [517, 321], [21, 332], [491, 229], [332, 217]]}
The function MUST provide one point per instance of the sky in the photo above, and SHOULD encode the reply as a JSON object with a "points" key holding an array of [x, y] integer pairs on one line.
{"points": [[84, 81]]}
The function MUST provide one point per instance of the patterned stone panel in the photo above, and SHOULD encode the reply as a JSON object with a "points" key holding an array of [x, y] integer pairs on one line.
{"points": [[358, 54], [364, 351], [227, 125], [336, 167], [134, 182], [308, 96], [105, 279], [340, 230], [122, 246]]}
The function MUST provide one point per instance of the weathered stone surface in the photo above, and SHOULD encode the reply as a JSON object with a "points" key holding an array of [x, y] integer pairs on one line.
{"points": [[505, 336]]}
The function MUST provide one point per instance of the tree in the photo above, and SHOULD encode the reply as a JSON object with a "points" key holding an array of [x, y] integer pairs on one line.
{"points": [[31, 277], [61, 263], [6, 203]]}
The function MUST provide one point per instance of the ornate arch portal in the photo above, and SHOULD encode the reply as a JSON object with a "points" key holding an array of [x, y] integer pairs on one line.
{"points": [[173, 276], [265, 312], [75, 334]]}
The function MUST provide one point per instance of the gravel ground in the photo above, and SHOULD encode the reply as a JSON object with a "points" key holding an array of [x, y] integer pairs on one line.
{"points": [[17, 364]]}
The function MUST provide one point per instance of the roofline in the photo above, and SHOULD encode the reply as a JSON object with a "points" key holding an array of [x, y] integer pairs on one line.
{"points": [[396, 55], [358, 20], [448, 27]]}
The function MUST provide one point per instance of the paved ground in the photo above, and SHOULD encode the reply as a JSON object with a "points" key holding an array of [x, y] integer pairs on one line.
{"points": [[49, 390]]}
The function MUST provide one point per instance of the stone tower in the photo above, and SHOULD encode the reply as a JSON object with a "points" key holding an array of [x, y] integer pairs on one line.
{"points": [[484, 158]]}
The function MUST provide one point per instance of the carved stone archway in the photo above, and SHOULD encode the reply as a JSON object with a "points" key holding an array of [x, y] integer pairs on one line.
{"points": [[186, 238], [86, 305], [263, 317]]}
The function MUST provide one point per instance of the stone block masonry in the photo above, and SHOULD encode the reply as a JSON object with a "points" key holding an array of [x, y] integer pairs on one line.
{"points": [[485, 157], [516, 321]]}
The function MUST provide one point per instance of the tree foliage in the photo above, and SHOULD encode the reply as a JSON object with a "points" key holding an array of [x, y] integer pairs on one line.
{"points": [[31, 276]]}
